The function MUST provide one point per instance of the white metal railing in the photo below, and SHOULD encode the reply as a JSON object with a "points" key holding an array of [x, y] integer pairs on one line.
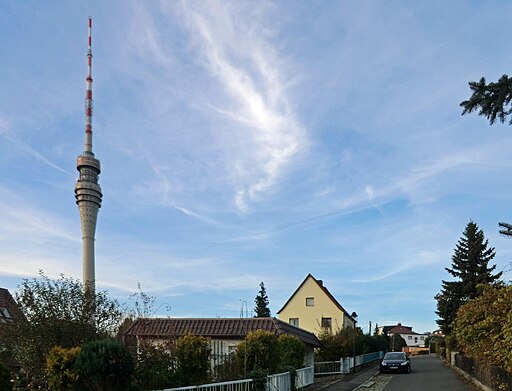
{"points": [[345, 365], [305, 377], [279, 382], [328, 367], [238, 385]]}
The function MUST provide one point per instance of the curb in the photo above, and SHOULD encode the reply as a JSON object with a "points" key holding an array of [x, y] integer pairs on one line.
{"points": [[362, 384]]}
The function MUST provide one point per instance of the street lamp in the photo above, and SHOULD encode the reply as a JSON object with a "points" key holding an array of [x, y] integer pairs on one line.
{"points": [[354, 316]]}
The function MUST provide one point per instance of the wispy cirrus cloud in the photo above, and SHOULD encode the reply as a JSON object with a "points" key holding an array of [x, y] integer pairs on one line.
{"points": [[25, 148], [18, 217], [251, 76]]}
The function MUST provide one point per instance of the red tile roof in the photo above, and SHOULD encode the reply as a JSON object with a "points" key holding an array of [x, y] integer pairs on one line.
{"points": [[399, 329], [215, 328]]}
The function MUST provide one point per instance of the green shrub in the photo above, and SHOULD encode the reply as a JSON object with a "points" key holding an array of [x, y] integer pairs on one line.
{"points": [[105, 365], [230, 369], [259, 352], [291, 351], [335, 345], [60, 368], [193, 354], [259, 380], [155, 367], [5, 378]]}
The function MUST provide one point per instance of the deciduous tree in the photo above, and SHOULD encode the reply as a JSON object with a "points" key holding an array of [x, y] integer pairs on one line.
{"points": [[396, 343], [54, 316]]}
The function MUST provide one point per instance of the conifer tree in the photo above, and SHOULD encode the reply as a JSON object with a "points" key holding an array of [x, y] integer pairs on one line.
{"points": [[261, 308], [492, 99], [470, 267]]}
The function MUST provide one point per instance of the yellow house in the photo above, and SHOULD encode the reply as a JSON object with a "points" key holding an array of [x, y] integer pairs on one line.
{"points": [[313, 308]]}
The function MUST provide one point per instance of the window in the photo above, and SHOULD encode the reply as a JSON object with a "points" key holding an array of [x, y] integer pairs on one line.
{"points": [[4, 313], [88, 175], [5, 316], [422, 338], [409, 337], [294, 322], [310, 301], [326, 323]]}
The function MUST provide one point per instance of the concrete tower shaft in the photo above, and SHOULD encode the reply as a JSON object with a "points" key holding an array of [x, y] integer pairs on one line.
{"points": [[87, 189]]}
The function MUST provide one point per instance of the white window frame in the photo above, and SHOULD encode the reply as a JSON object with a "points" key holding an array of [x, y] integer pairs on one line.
{"points": [[294, 322]]}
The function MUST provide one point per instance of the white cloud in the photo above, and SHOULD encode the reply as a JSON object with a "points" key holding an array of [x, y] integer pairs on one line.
{"points": [[250, 72]]}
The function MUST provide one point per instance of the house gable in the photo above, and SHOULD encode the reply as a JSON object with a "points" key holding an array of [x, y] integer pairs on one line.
{"points": [[313, 307], [9, 309], [411, 338]]}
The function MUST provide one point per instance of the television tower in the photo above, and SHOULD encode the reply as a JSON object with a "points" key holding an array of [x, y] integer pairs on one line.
{"points": [[87, 190]]}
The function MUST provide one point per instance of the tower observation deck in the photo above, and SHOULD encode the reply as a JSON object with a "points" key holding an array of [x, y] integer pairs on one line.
{"points": [[87, 189]]}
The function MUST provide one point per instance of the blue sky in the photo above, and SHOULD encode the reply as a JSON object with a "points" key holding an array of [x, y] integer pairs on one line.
{"points": [[255, 141]]}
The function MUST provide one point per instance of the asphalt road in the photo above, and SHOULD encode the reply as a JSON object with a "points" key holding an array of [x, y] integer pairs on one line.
{"points": [[429, 373]]}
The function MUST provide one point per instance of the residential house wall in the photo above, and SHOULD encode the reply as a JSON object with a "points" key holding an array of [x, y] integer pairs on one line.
{"points": [[312, 307], [224, 333], [410, 337]]}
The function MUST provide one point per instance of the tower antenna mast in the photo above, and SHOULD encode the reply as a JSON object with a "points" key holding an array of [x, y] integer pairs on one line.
{"points": [[87, 190], [88, 93]]}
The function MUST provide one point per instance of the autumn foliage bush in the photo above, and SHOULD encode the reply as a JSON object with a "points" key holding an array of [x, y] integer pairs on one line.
{"points": [[483, 326], [60, 368]]}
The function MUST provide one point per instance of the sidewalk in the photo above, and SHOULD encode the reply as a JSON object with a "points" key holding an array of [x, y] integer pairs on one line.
{"points": [[347, 382]]}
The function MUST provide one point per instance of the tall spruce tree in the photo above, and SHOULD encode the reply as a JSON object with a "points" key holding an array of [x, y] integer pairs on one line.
{"points": [[470, 267], [261, 308]]}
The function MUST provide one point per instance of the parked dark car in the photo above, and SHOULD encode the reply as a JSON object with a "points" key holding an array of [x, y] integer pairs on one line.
{"points": [[396, 362]]}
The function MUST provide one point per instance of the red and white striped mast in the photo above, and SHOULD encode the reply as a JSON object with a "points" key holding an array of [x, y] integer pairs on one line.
{"points": [[88, 94]]}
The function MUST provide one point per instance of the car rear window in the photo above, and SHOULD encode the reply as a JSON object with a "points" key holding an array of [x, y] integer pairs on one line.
{"points": [[394, 356]]}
